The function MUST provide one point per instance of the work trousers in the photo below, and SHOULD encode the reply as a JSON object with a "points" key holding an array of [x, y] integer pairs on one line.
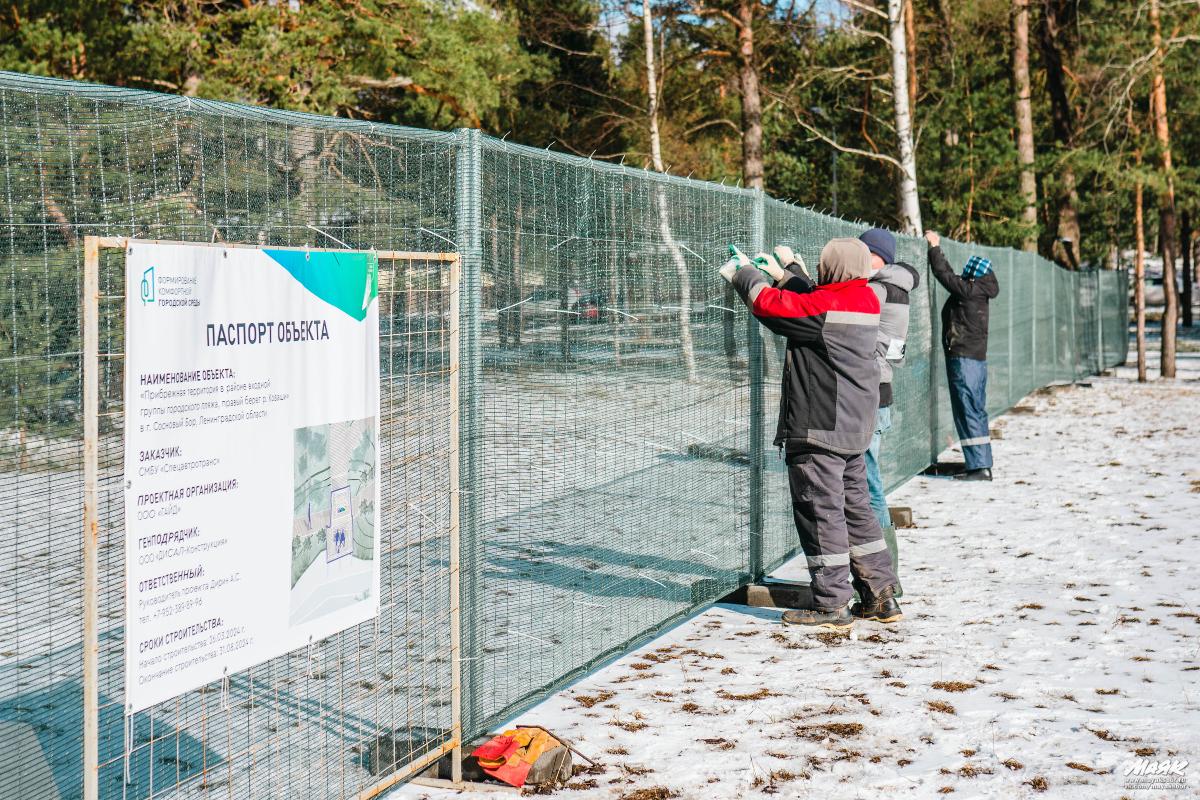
{"points": [[839, 533], [883, 424], [968, 400]]}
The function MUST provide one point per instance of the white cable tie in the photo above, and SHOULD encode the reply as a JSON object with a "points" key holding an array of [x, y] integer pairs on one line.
{"points": [[622, 313], [413, 506], [693, 252], [564, 241], [722, 308], [514, 305], [328, 235], [527, 636], [438, 235]]}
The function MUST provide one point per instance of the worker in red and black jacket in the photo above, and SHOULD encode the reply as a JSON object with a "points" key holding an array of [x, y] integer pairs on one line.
{"points": [[826, 417]]}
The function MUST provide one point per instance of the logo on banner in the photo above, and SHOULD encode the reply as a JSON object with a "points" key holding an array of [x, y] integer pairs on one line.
{"points": [[148, 286]]}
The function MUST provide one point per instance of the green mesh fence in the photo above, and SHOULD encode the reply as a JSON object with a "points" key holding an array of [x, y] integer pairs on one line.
{"points": [[617, 406]]}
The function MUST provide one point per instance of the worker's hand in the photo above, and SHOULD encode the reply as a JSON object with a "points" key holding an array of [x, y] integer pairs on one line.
{"points": [[933, 239], [737, 260], [788, 258], [767, 263]]}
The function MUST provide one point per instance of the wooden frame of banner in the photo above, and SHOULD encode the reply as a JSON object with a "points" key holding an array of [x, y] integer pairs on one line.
{"points": [[92, 245]]}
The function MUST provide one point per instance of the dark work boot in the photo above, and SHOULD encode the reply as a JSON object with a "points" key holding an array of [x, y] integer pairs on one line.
{"points": [[836, 619], [982, 474], [880, 608]]}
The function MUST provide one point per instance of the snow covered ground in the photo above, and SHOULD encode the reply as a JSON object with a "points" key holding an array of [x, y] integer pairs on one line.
{"points": [[1052, 638]]}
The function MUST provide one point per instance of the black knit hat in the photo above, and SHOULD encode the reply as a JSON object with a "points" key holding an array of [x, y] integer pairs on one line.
{"points": [[881, 243]]}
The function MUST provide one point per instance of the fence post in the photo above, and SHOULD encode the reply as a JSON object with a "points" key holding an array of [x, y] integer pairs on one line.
{"points": [[469, 233], [91, 561], [1054, 339], [935, 349], [1098, 315], [1011, 401], [754, 346], [1033, 350]]}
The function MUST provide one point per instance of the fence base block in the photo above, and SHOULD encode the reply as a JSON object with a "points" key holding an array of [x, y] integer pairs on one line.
{"points": [[466, 786], [902, 517], [771, 594]]}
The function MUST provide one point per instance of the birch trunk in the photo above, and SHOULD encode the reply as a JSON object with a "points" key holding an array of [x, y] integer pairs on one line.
{"points": [[1024, 112], [910, 206], [664, 222]]}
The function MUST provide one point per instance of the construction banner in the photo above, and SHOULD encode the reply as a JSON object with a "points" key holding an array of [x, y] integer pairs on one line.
{"points": [[251, 457]]}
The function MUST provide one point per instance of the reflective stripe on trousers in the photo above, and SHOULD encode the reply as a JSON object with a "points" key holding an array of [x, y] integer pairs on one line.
{"points": [[838, 530], [968, 400]]}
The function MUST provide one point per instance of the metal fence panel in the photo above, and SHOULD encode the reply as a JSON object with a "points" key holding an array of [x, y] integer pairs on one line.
{"points": [[617, 409]]}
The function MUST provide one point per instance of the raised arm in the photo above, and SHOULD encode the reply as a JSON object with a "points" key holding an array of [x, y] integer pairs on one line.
{"points": [[944, 273], [791, 314]]}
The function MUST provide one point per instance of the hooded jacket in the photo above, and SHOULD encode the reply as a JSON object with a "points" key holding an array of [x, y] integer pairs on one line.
{"points": [[892, 285], [830, 376], [965, 313]]}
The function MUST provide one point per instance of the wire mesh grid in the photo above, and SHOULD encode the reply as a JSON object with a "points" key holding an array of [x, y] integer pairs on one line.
{"points": [[339, 717], [617, 413], [614, 416]]}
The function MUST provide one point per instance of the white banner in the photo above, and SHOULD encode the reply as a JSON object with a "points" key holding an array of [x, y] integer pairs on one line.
{"points": [[251, 457]]}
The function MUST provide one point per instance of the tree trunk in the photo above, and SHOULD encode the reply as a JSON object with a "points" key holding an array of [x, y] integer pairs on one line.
{"points": [[1057, 16], [614, 292], [752, 132], [1024, 110], [1166, 201], [686, 346], [910, 40], [1139, 276], [1185, 242], [910, 206]]}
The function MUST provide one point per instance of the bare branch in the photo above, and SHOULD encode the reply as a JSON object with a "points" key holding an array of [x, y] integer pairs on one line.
{"points": [[854, 151]]}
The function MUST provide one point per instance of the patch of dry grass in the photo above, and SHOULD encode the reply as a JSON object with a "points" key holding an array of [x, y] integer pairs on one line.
{"points": [[952, 686], [720, 744], [632, 725], [587, 701], [761, 694], [826, 730], [940, 707], [649, 793]]}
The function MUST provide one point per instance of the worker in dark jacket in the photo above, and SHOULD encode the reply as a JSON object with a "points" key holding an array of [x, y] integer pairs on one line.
{"points": [[892, 281], [964, 341], [826, 416]]}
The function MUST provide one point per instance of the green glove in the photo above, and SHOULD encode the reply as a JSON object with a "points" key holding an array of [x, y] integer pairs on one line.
{"points": [[767, 263], [737, 260]]}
